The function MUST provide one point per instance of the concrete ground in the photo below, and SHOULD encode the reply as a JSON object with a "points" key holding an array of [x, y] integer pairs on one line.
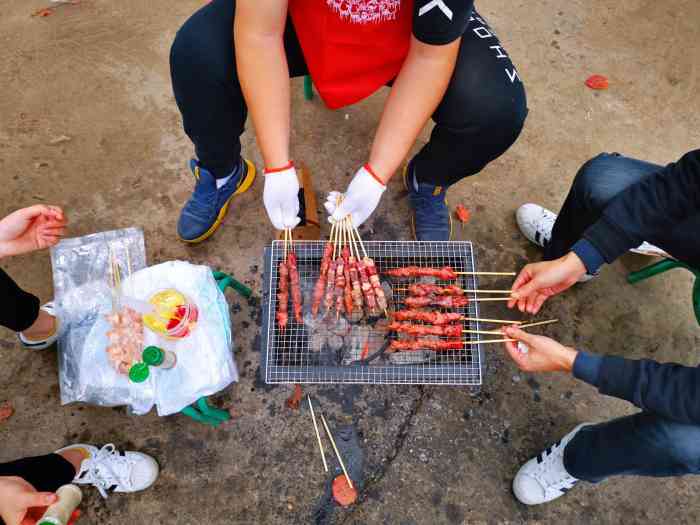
{"points": [[98, 73]]}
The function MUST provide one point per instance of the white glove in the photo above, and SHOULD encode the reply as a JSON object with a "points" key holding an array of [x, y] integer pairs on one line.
{"points": [[359, 201], [281, 198]]}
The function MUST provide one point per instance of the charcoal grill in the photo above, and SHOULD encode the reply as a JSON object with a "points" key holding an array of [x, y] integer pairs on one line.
{"points": [[311, 352]]}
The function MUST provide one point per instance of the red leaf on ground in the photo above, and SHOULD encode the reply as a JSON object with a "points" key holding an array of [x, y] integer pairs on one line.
{"points": [[463, 214], [6, 411], [343, 493], [597, 82], [294, 400]]}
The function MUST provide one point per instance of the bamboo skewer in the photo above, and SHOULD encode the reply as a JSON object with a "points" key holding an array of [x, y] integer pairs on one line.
{"points": [[497, 321], [318, 435], [400, 289], [481, 299], [540, 323], [486, 332], [486, 273], [490, 341], [335, 448]]}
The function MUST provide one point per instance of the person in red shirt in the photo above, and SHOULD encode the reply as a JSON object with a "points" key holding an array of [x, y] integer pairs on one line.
{"points": [[440, 58]]}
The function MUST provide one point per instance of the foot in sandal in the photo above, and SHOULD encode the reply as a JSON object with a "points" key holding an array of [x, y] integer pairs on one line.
{"points": [[107, 469], [205, 210], [431, 219]]}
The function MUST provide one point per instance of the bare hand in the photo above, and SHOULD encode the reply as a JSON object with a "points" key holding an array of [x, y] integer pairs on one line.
{"points": [[543, 354], [539, 281], [30, 229], [17, 497]]}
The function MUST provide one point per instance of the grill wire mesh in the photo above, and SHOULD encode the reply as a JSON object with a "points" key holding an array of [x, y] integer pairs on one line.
{"points": [[326, 350]]}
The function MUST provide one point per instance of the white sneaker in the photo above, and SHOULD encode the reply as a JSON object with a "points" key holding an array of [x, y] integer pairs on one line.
{"points": [[108, 469], [43, 343], [544, 477], [536, 223]]}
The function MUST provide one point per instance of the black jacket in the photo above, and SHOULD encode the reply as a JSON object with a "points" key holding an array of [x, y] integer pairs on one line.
{"points": [[664, 202]]}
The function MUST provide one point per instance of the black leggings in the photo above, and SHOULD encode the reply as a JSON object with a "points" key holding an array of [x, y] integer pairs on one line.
{"points": [[45, 473], [19, 309], [479, 118]]}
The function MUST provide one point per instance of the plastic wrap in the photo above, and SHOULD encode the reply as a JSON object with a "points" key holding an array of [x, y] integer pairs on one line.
{"points": [[84, 295]]}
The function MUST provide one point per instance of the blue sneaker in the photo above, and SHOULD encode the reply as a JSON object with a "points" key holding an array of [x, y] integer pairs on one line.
{"points": [[207, 207], [431, 219]]}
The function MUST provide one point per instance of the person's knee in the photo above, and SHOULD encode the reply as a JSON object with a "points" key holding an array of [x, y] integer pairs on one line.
{"points": [[683, 442], [595, 181]]}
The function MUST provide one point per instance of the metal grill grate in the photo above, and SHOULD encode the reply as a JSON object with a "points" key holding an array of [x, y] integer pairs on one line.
{"points": [[324, 350]]}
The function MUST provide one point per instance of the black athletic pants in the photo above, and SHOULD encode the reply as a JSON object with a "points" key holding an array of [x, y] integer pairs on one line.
{"points": [[45, 473], [18, 309], [479, 118]]}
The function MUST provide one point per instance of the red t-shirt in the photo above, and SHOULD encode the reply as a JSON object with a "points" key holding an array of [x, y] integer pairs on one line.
{"points": [[352, 47]]}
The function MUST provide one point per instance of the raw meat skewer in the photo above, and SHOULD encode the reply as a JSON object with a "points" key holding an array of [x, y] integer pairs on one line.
{"points": [[295, 286], [435, 318], [446, 301], [450, 330], [282, 295]]}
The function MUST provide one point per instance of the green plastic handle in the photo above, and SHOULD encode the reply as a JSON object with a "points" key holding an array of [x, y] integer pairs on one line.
{"points": [[224, 280]]}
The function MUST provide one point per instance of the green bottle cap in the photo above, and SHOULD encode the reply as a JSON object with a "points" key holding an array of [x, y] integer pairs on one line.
{"points": [[139, 372], [152, 355]]}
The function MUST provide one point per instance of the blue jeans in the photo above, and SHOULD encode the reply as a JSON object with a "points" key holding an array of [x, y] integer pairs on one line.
{"points": [[597, 182], [643, 444]]}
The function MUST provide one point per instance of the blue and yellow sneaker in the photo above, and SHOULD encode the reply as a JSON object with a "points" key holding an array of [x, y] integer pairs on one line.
{"points": [[431, 219], [207, 207]]}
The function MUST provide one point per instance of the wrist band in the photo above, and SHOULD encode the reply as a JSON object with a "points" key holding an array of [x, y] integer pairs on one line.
{"points": [[374, 175], [287, 166]]}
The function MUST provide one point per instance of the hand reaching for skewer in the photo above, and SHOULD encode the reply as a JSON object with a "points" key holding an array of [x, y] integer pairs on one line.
{"points": [[539, 281], [360, 200], [543, 354]]}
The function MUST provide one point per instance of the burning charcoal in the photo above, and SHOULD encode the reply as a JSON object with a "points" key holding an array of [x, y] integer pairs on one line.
{"points": [[411, 358]]}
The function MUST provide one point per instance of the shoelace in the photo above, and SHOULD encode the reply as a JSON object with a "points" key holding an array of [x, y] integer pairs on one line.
{"points": [[107, 468], [552, 476]]}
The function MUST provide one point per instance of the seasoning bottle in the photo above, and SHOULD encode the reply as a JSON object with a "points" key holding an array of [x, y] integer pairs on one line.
{"points": [[154, 356], [69, 497], [138, 373]]}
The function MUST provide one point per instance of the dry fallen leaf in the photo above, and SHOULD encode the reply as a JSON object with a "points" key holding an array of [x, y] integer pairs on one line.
{"points": [[295, 398], [6, 411]]}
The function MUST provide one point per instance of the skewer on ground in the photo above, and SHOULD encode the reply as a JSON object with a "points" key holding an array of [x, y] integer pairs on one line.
{"points": [[318, 435], [335, 448]]}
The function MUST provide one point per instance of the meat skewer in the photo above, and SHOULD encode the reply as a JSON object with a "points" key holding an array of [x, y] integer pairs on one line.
{"points": [[446, 273], [355, 280], [339, 286], [295, 286], [425, 344], [435, 318], [446, 301], [347, 291], [451, 289], [320, 285], [450, 330], [367, 264], [367, 289], [433, 289], [282, 295], [374, 281]]}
